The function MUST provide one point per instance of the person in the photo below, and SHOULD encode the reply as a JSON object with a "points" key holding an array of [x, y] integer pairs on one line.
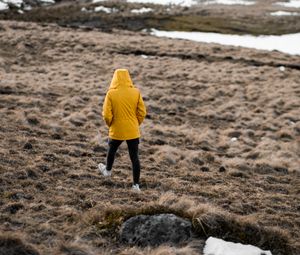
{"points": [[123, 112]]}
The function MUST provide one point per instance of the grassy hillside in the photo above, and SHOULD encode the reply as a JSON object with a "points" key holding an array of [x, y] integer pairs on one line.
{"points": [[220, 144]]}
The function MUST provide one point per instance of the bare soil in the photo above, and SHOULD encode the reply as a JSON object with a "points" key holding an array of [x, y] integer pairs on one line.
{"points": [[222, 131]]}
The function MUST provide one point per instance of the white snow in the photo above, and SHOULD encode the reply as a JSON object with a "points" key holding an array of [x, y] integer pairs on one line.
{"points": [[282, 68], [233, 139], [291, 3], [83, 9], [216, 246], [27, 8], [284, 13], [14, 2], [142, 10], [48, 1], [3, 6], [97, 1], [103, 9], [288, 43], [144, 56]]}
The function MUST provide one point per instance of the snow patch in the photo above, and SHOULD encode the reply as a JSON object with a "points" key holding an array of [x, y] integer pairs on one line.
{"points": [[105, 9], [14, 2], [282, 68], [288, 43], [291, 4], [142, 10], [233, 139], [27, 8], [284, 13], [216, 246], [3, 6], [48, 1]]}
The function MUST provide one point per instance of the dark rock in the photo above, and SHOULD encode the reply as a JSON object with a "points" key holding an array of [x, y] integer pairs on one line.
{"points": [[198, 161], [56, 136], [14, 208], [204, 169], [28, 146], [145, 230], [32, 174], [222, 169], [33, 120], [281, 170], [235, 134], [99, 148]]}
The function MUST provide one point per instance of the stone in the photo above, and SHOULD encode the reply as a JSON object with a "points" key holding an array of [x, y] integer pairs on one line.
{"points": [[222, 169], [154, 230]]}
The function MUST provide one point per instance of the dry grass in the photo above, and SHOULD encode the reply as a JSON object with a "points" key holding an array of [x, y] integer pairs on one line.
{"points": [[53, 81], [12, 245]]}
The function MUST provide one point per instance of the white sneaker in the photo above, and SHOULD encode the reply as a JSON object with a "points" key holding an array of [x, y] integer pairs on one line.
{"points": [[103, 170], [136, 187]]}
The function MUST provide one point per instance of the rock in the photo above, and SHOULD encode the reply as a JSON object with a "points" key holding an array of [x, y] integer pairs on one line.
{"points": [[197, 161], [222, 169], [281, 170], [56, 136], [32, 120], [145, 230], [204, 169], [28, 146], [14, 208], [99, 148]]}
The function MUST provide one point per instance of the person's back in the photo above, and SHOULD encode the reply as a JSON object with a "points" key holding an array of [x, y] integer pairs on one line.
{"points": [[123, 109], [123, 112]]}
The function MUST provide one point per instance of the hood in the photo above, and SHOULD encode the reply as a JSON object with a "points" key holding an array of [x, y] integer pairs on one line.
{"points": [[121, 79]]}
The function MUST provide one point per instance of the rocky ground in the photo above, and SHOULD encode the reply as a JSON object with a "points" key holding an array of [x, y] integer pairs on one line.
{"points": [[220, 143]]}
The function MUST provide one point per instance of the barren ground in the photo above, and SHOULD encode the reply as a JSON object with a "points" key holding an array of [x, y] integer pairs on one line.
{"points": [[208, 106]]}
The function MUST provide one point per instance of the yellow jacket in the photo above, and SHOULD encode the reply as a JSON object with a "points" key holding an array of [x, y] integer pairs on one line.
{"points": [[123, 108]]}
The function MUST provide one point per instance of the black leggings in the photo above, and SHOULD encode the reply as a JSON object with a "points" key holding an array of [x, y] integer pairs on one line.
{"points": [[133, 148]]}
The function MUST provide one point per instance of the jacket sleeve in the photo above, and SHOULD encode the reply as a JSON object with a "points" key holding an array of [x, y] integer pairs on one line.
{"points": [[107, 113], [141, 110]]}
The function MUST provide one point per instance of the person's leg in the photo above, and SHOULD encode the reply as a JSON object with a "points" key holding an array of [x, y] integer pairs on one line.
{"points": [[112, 149], [133, 148]]}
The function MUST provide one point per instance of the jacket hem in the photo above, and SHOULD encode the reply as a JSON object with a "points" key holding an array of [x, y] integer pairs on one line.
{"points": [[123, 139]]}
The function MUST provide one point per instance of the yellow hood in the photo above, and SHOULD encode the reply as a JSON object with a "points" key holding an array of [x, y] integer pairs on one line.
{"points": [[121, 79]]}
